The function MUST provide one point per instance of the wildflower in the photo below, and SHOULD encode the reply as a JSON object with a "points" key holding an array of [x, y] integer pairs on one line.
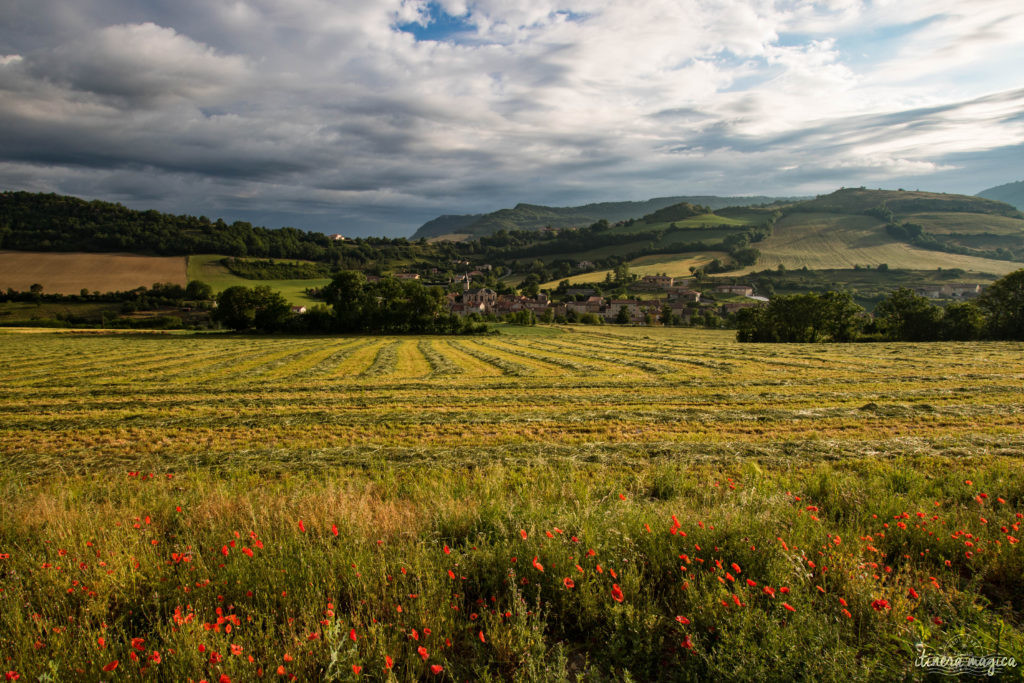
{"points": [[334, 529], [616, 593], [913, 593], [789, 607], [110, 666], [847, 614], [356, 669], [537, 565], [352, 635], [522, 532], [482, 637], [683, 620], [880, 605], [687, 643], [155, 657], [101, 641], [302, 527], [436, 669], [280, 670], [568, 583], [388, 662], [236, 649], [137, 644], [447, 550]]}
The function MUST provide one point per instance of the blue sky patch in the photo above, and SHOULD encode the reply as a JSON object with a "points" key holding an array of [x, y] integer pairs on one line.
{"points": [[441, 26]]}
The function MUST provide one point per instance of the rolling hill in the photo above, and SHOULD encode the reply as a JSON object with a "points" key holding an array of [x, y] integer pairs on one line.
{"points": [[536, 217], [1011, 193]]}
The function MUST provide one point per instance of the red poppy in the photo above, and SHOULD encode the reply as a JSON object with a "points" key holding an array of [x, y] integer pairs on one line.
{"points": [[482, 640], [616, 593], [302, 527], [111, 666], [236, 649], [137, 644], [568, 583], [880, 605], [447, 550], [522, 532], [537, 565], [789, 607], [436, 669], [334, 529], [352, 635], [388, 662], [683, 620], [356, 669], [422, 651]]}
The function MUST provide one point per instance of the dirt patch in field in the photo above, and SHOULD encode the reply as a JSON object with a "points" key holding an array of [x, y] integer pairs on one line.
{"points": [[69, 273]]}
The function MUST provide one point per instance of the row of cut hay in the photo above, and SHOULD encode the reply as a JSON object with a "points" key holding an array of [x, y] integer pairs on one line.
{"points": [[439, 363], [311, 353], [385, 360], [534, 352], [249, 360], [507, 366], [411, 362], [357, 362]]}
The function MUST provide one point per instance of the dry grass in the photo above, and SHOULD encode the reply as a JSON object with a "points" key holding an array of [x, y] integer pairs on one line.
{"points": [[69, 273]]}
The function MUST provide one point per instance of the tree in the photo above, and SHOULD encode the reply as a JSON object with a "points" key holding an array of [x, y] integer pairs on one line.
{"points": [[666, 315], [964, 322], [622, 317], [1004, 303], [197, 290], [241, 308], [906, 316]]}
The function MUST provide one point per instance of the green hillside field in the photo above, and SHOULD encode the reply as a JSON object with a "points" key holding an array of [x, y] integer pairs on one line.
{"points": [[835, 241], [207, 268]]}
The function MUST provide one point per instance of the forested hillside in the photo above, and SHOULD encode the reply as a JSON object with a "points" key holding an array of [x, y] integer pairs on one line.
{"points": [[50, 222]]}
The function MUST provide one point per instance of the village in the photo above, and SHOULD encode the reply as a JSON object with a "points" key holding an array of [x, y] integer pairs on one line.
{"points": [[664, 299]]}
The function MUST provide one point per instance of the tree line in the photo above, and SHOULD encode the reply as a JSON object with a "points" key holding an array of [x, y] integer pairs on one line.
{"points": [[902, 316], [387, 306]]}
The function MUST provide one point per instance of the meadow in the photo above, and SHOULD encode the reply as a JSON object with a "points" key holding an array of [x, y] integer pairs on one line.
{"points": [[209, 269], [546, 504]]}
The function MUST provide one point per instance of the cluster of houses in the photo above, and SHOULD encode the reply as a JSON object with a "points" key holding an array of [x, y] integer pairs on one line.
{"points": [[683, 301], [959, 291]]}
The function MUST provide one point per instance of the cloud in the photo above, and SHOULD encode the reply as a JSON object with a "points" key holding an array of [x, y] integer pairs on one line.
{"points": [[264, 107]]}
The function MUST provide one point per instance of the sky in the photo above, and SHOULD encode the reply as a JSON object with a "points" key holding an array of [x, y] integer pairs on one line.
{"points": [[370, 117]]}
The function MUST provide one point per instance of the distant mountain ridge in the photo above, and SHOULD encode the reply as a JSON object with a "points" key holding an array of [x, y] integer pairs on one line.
{"points": [[1011, 193], [536, 216]]}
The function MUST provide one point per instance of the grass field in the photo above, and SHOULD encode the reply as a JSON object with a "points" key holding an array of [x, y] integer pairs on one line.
{"points": [[824, 241], [207, 267], [70, 273], [592, 503], [676, 265]]}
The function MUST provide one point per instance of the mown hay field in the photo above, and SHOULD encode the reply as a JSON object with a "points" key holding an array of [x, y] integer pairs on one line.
{"points": [[70, 273], [595, 503]]}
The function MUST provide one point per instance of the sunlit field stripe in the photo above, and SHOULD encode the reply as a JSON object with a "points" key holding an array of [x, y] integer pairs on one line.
{"points": [[474, 367], [355, 363]]}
